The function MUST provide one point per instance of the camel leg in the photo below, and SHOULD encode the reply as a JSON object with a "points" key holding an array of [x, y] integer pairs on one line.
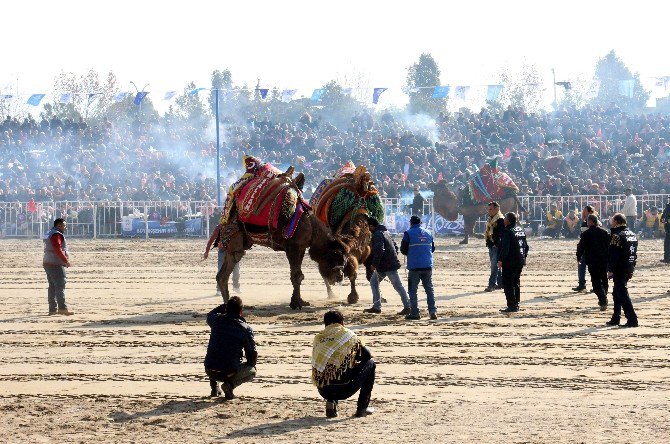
{"points": [[224, 274], [329, 289], [469, 229], [295, 258], [350, 270]]}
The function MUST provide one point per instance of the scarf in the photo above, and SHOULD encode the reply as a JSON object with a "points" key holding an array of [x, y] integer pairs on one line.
{"points": [[334, 352], [491, 224]]}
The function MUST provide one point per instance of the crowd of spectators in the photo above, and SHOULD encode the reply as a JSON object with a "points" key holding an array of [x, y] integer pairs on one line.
{"points": [[591, 150]]}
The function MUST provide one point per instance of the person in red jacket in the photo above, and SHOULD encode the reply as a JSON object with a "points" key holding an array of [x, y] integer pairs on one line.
{"points": [[55, 260]]}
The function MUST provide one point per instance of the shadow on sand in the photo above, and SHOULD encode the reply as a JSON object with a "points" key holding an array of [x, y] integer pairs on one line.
{"points": [[285, 426], [172, 407]]}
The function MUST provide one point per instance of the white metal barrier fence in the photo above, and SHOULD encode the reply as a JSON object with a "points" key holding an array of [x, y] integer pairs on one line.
{"points": [[196, 218]]}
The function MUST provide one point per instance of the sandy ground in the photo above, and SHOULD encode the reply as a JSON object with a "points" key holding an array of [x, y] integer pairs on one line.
{"points": [[127, 367]]}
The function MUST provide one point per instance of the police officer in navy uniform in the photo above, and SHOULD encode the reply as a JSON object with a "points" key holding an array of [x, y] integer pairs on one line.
{"points": [[592, 251], [512, 256], [621, 264]]}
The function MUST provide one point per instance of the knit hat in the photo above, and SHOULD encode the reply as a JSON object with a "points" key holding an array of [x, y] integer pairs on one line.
{"points": [[415, 220]]}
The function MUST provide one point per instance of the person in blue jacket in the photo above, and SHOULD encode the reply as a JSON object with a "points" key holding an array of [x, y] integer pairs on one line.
{"points": [[417, 244]]}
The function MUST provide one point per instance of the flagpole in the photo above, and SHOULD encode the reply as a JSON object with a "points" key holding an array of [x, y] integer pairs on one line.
{"points": [[218, 152]]}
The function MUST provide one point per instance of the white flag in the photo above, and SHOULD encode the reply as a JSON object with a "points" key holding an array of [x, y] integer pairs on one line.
{"points": [[65, 98], [169, 95], [287, 95], [120, 96]]}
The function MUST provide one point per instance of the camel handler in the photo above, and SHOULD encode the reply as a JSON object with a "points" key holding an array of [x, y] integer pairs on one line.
{"points": [[512, 256], [214, 241], [341, 366], [230, 336], [56, 259], [385, 263]]}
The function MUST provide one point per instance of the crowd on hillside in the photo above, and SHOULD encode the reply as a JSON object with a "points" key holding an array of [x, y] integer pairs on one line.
{"points": [[568, 152]]}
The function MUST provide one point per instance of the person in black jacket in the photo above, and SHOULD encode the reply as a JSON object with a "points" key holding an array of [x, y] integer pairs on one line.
{"points": [[665, 219], [592, 251], [512, 256], [620, 267], [494, 228], [230, 336], [385, 263]]}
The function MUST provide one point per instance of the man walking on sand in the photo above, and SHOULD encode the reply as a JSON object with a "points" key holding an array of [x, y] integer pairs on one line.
{"points": [[56, 259]]}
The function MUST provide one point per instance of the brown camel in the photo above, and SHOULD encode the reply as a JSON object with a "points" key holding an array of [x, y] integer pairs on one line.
{"points": [[326, 250], [356, 235], [448, 205]]}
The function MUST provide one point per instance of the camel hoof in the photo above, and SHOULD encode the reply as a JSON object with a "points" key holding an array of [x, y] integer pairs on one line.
{"points": [[295, 305], [304, 303], [352, 298], [464, 242]]}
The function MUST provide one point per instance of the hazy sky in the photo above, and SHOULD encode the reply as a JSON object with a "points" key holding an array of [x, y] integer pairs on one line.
{"points": [[303, 44]]}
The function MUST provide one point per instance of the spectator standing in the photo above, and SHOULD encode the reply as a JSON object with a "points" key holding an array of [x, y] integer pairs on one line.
{"points": [[55, 260], [665, 219], [417, 244], [494, 228], [214, 241], [630, 209], [581, 266], [512, 258], [417, 202]]}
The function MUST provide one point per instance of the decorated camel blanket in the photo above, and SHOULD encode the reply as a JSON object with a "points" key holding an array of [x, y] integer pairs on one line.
{"points": [[489, 183], [272, 202], [351, 191]]}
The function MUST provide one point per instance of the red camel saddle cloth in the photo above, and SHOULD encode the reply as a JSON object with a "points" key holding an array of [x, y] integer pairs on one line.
{"points": [[267, 201]]}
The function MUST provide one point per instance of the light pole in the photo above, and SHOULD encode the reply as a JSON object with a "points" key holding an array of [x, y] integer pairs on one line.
{"points": [[137, 91], [218, 152], [553, 72]]}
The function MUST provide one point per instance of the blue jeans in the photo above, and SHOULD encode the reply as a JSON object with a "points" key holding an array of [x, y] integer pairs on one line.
{"points": [[56, 294], [581, 273], [236, 270], [426, 279], [377, 277], [495, 279]]}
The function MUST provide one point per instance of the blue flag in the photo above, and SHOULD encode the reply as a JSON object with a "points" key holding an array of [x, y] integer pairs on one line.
{"points": [[65, 98], [376, 93], [287, 95], [263, 92], [35, 99], [196, 91], [317, 94], [493, 92], [139, 97], [169, 95], [6, 96], [440, 92], [120, 96]]}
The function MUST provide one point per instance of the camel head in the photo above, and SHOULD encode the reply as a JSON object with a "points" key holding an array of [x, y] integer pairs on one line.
{"points": [[445, 200], [332, 263]]}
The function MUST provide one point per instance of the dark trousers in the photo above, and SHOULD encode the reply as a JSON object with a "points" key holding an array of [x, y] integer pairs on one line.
{"points": [[599, 282], [630, 221], [57, 278], [666, 246], [363, 380], [622, 300], [245, 374], [511, 279], [581, 273]]}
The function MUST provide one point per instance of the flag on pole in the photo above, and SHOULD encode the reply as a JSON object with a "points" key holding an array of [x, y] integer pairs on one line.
{"points": [[35, 99], [347, 91], [440, 92], [169, 95], [317, 94], [287, 95], [376, 93], [263, 92], [461, 92], [92, 97], [196, 91], [6, 96], [139, 97], [120, 96], [65, 98], [493, 92]]}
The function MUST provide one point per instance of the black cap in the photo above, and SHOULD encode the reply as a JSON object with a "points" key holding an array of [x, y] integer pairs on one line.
{"points": [[415, 220]]}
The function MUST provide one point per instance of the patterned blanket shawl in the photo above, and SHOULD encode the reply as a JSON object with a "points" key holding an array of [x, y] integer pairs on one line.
{"points": [[333, 353]]}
